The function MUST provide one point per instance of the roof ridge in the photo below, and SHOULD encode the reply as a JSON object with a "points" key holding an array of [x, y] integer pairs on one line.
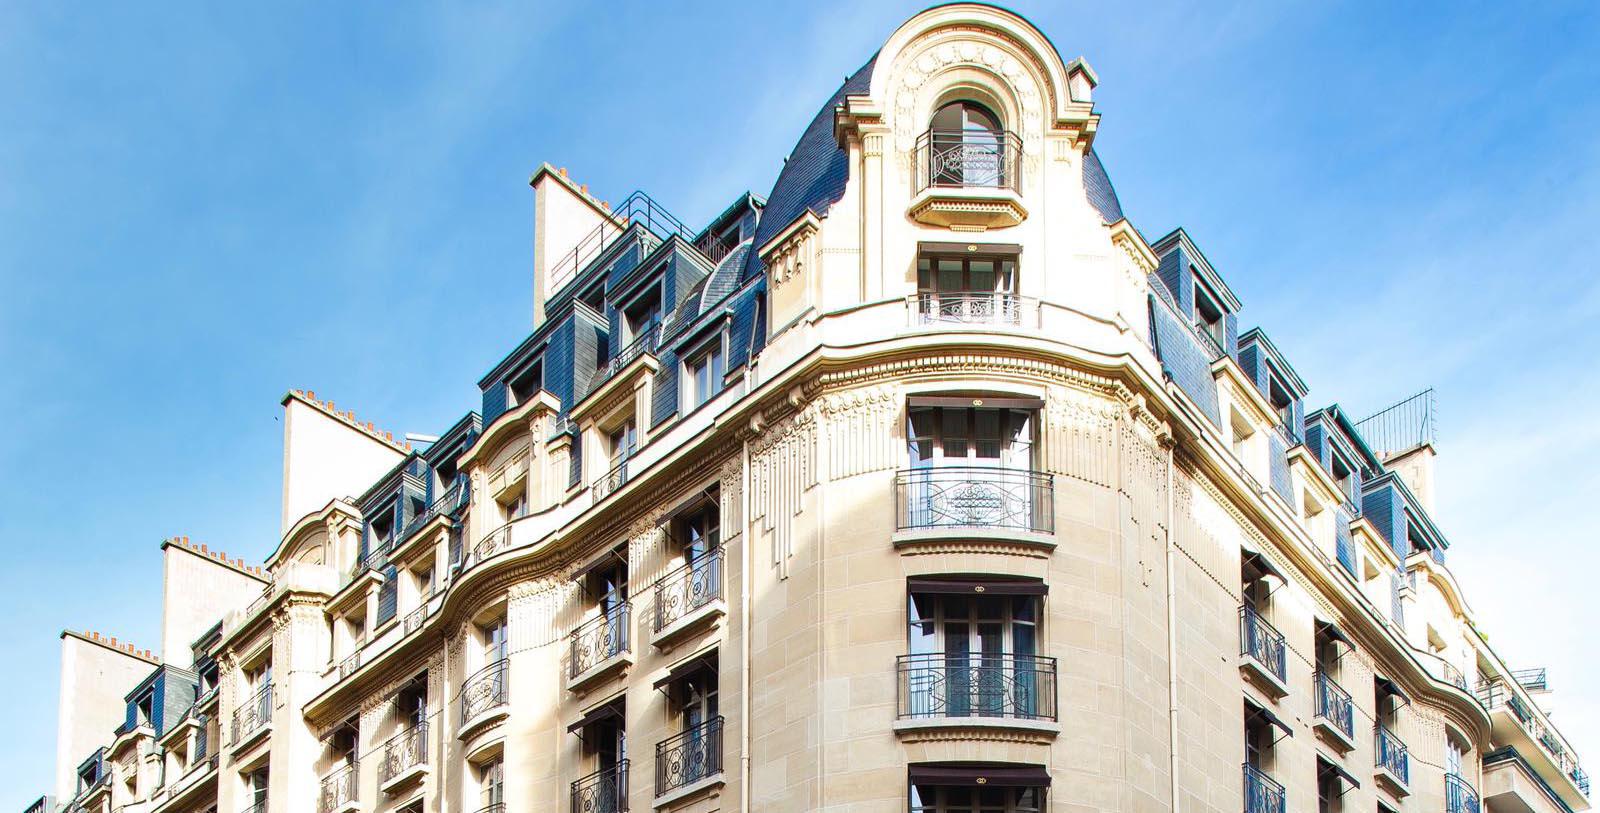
{"points": [[219, 556], [111, 643]]}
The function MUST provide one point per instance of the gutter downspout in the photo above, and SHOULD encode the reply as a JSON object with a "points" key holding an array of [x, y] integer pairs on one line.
{"points": [[744, 627], [1172, 635]]}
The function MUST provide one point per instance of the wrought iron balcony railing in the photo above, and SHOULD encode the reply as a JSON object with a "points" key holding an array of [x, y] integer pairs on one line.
{"points": [[973, 308], [688, 588], [643, 343], [1261, 793], [257, 806], [1262, 643], [339, 787], [968, 684], [351, 662], [1494, 693], [1459, 796], [687, 758], [1452, 675], [485, 690], [404, 751], [253, 714], [497, 807], [600, 639], [492, 543], [1333, 705], [975, 497], [604, 791], [415, 618], [1393, 756], [613, 479], [968, 159]]}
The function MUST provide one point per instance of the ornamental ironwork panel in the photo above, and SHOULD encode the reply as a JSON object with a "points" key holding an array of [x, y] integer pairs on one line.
{"points": [[497, 540], [404, 751], [253, 713], [971, 684], [415, 618], [1392, 755], [1459, 796], [644, 343], [615, 478], [350, 664], [689, 757], [688, 588], [604, 791], [1333, 705], [600, 639], [339, 788], [1262, 643], [1261, 793], [969, 159], [973, 308], [975, 497], [485, 690]]}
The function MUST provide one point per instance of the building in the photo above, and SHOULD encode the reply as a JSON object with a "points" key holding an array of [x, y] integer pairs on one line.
{"points": [[924, 483]]}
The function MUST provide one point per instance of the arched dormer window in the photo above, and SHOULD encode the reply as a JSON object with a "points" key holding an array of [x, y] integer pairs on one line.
{"points": [[965, 146]]}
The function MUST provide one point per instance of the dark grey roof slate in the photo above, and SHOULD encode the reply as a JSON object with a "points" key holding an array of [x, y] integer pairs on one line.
{"points": [[815, 174], [1097, 187]]}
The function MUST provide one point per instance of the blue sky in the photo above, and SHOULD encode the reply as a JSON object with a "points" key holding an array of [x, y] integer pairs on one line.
{"points": [[203, 208]]}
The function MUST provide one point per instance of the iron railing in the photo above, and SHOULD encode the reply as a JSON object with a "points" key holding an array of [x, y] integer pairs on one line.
{"points": [[495, 541], [643, 343], [1262, 642], [1580, 779], [968, 684], [968, 159], [1459, 796], [339, 787], [615, 478], [1453, 675], [497, 807], [350, 664], [600, 639], [404, 751], [485, 690], [415, 618], [689, 757], [1402, 426], [258, 806], [973, 308], [253, 714], [975, 497], [1393, 756], [1261, 793], [1333, 705], [604, 791], [636, 208], [1534, 680], [688, 588]]}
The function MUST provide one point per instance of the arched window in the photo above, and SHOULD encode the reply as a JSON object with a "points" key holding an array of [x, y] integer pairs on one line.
{"points": [[967, 147]]}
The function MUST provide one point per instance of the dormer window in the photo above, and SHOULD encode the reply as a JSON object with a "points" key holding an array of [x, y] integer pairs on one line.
{"points": [[1282, 402], [1209, 316], [525, 385], [704, 372], [965, 147]]}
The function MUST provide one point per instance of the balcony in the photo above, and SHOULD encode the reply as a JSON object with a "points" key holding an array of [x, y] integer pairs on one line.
{"points": [[614, 478], [405, 757], [1459, 797], [968, 178], [1262, 654], [963, 500], [351, 663], [1518, 723], [689, 761], [1261, 793], [962, 689], [1394, 761], [688, 597], [599, 646], [258, 806], [1335, 713], [644, 344], [253, 717], [604, 791], [484, 695], [415, 618], [930, 309], [339, 790]]}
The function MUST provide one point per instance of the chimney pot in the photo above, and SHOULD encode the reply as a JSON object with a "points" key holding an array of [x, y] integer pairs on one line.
{"points": [[311, 395]]}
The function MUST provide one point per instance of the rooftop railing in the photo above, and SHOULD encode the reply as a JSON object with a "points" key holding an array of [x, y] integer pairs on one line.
{"points": [[604, 791], [1261, 793], [975, 497], [1262, 642], [968, 684], [689, 757], [637, 208], [600, 639], [339, 787], [688, 588], [966, 159]]}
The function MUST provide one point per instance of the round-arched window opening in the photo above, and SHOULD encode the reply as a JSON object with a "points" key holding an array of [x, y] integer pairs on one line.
{"points": [[965, 146]]}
